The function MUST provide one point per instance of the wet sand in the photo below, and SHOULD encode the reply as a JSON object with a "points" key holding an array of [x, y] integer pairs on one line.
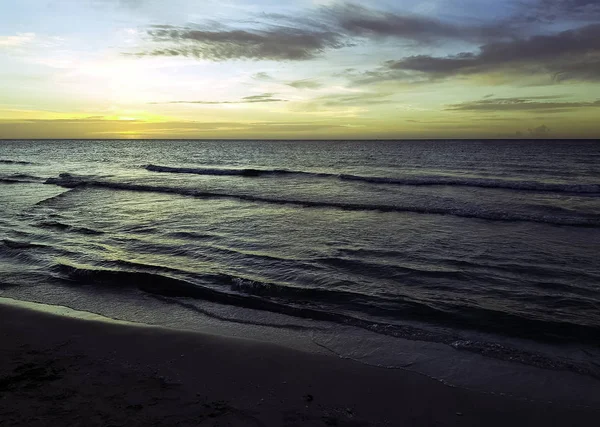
{"points": [[56, 370]]}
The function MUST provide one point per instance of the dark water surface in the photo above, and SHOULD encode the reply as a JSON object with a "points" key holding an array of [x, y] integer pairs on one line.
{"points": [[492, 247]]}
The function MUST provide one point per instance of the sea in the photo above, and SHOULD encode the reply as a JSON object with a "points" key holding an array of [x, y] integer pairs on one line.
{"points": [[474, 262]]}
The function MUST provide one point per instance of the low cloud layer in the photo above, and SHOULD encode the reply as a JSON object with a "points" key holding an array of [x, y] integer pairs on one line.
{"points": [[344, 101], [305, 84], [254, 99], [540, 104]]}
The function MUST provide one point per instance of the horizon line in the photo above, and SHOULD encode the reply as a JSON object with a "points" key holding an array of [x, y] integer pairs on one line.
{"points": [[302, 139]]}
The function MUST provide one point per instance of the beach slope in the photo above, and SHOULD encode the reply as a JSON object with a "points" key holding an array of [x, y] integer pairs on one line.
{"points": [[56, 370]]}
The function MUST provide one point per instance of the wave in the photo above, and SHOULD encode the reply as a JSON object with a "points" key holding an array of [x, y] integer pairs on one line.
{"points": [[20, 178], [481, 183], [323, 304], [19, 244], [212, 314], [51, 199], [66, 227], [408, 181], [25, 176], [10, 180], [70, 181], [296, 294], [191, 235], [166, 286], [15, 162], [248, 172], [388, 271]]}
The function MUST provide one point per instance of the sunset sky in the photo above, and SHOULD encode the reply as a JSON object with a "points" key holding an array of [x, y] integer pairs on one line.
{"points": [[299, 69]]}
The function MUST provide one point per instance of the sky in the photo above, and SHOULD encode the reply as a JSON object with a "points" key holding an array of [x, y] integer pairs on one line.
{"points": [[299, 69]]}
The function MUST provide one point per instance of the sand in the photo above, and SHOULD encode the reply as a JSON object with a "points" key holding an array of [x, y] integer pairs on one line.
{"points": [[60, 371]]}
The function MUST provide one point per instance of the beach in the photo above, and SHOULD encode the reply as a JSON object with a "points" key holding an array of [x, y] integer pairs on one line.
{"points": [[56, 370]]}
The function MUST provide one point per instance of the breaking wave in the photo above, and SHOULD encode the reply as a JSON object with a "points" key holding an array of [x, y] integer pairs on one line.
{"points": [[15, 162], [248, 172], [408, 181], [19, 244], [295, 302], [56, 225], [20, 178], [69, 181]]}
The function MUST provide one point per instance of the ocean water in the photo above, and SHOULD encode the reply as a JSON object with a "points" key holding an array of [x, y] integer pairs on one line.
{"points": [[381, 251]]}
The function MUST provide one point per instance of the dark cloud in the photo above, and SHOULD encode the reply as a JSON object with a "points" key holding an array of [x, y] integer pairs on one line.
{"points": [[277, 43], [353, 20], [360, 21], [279, 37], [571, 54], [539, 104], [254, 99], [553, 10], [305, 84]]}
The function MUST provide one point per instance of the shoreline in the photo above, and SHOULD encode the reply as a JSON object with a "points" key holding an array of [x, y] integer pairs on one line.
{"points": [[64, 370]]}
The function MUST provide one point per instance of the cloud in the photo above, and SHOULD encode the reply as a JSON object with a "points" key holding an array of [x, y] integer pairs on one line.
{"points": [[262, 76], [359, 21], [553, 10], [358, 99], [344, 102], [295, 38], [539, 132], [19, 39], [305, 84], [125, 3], [572, 54], [254, 99], [383, 74], [276, 43], [539, 104]]}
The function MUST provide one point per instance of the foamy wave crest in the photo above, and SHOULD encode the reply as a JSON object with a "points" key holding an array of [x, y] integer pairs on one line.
{"points": [[70, 181], [409, 181]]}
